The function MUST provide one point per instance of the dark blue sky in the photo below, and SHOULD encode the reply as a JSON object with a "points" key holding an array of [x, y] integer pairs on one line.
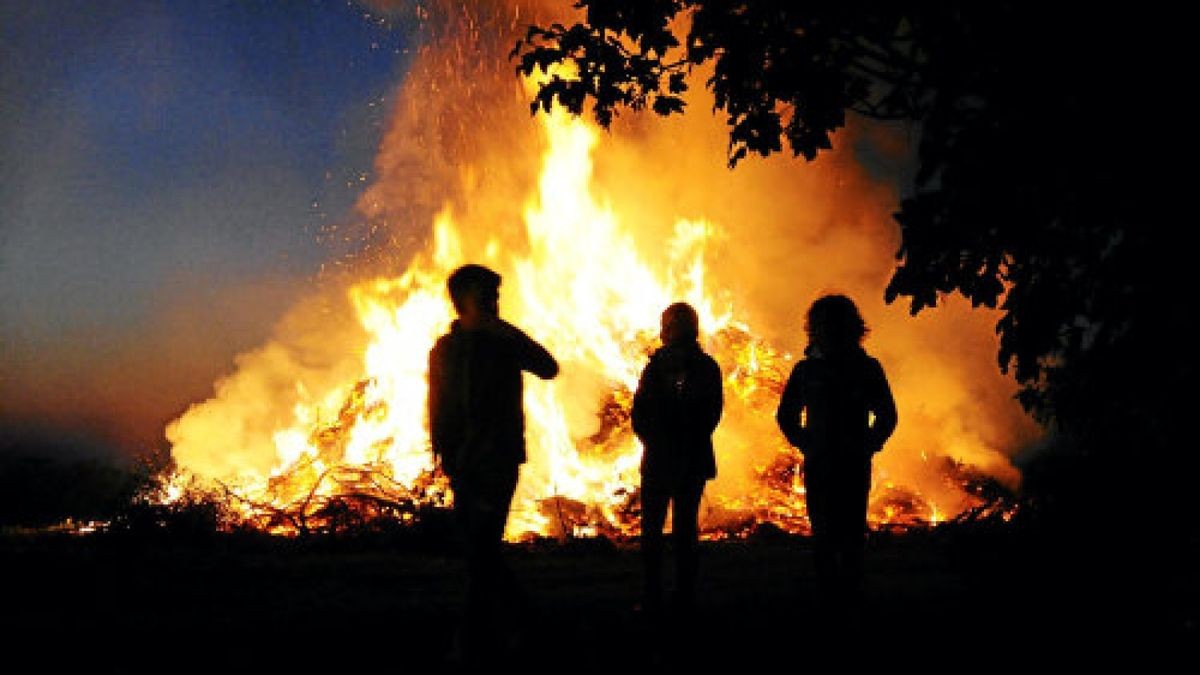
{"points": [[150, 149]]}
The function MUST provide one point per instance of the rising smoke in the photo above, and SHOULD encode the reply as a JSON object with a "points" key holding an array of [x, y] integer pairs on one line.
{"points": [[461, 137]]}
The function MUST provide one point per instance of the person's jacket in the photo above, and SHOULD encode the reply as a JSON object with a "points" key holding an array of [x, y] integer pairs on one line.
{"points": [[676, 408], [837, 404], [476, 416]]}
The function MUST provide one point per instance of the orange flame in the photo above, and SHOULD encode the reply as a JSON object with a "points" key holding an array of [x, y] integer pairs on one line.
{"points": [[333, 412]]}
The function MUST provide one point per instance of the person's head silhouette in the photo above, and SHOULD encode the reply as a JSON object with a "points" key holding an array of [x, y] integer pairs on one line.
{"points": [[680, 325], [834, 324], [475, 294]]}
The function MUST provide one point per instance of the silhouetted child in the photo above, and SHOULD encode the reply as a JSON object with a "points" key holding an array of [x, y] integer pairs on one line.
{"points": [[837, 408], [676, 408]]}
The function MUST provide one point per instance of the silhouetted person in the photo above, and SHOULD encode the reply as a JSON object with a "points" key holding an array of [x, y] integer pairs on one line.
{"points": [[477, 428], [675, 410], [837, 408]]}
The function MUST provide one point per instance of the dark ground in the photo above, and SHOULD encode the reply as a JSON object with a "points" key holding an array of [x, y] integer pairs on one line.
{"points": [[939, 601]]}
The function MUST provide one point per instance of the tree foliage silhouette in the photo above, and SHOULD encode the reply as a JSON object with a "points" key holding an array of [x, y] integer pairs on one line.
{"points": [[1028, 194]]}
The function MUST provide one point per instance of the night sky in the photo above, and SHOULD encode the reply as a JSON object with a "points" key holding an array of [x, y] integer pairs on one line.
{"points": [[166, 169]]}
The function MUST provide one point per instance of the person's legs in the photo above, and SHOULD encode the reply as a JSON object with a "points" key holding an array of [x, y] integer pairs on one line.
{"points": [[849, 525], [685, 528], [501, 487], [859, 489], [471, 623], [655, 499], [819, 501], [481, 504]]}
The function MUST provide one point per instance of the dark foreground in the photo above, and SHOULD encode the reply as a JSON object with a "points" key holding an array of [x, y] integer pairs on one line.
{"points": [[938, 601]]}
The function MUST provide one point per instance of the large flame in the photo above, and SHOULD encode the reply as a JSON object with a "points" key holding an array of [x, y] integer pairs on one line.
{"points": [[331, 420]]}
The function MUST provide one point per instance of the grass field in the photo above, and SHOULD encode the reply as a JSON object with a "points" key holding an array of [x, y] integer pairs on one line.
{"points": [[228, 603]]}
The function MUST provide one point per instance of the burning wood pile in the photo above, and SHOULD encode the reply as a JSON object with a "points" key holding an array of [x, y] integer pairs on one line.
{"points": [[321, 493], [323, 427]]}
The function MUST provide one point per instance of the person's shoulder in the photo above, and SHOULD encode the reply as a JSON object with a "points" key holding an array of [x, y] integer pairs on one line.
{"points": [[872, 366], [441, 343], [664, 358], [803, 363], [655, 359]]}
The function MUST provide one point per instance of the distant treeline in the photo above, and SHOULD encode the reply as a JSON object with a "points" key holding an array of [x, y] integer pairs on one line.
{"points": [[41, 491]]}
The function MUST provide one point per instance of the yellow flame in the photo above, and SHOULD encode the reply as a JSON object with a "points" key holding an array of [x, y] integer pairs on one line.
{"points": [[579, 284]]}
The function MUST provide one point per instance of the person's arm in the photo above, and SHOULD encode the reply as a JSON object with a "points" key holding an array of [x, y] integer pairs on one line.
{"points": [[790, 404], [530, 355], [644, 413], [714, 396], [435, 403], [884, 407]]}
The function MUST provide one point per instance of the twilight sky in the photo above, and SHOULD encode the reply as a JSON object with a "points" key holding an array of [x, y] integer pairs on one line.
{"points": [[165, 169]]}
